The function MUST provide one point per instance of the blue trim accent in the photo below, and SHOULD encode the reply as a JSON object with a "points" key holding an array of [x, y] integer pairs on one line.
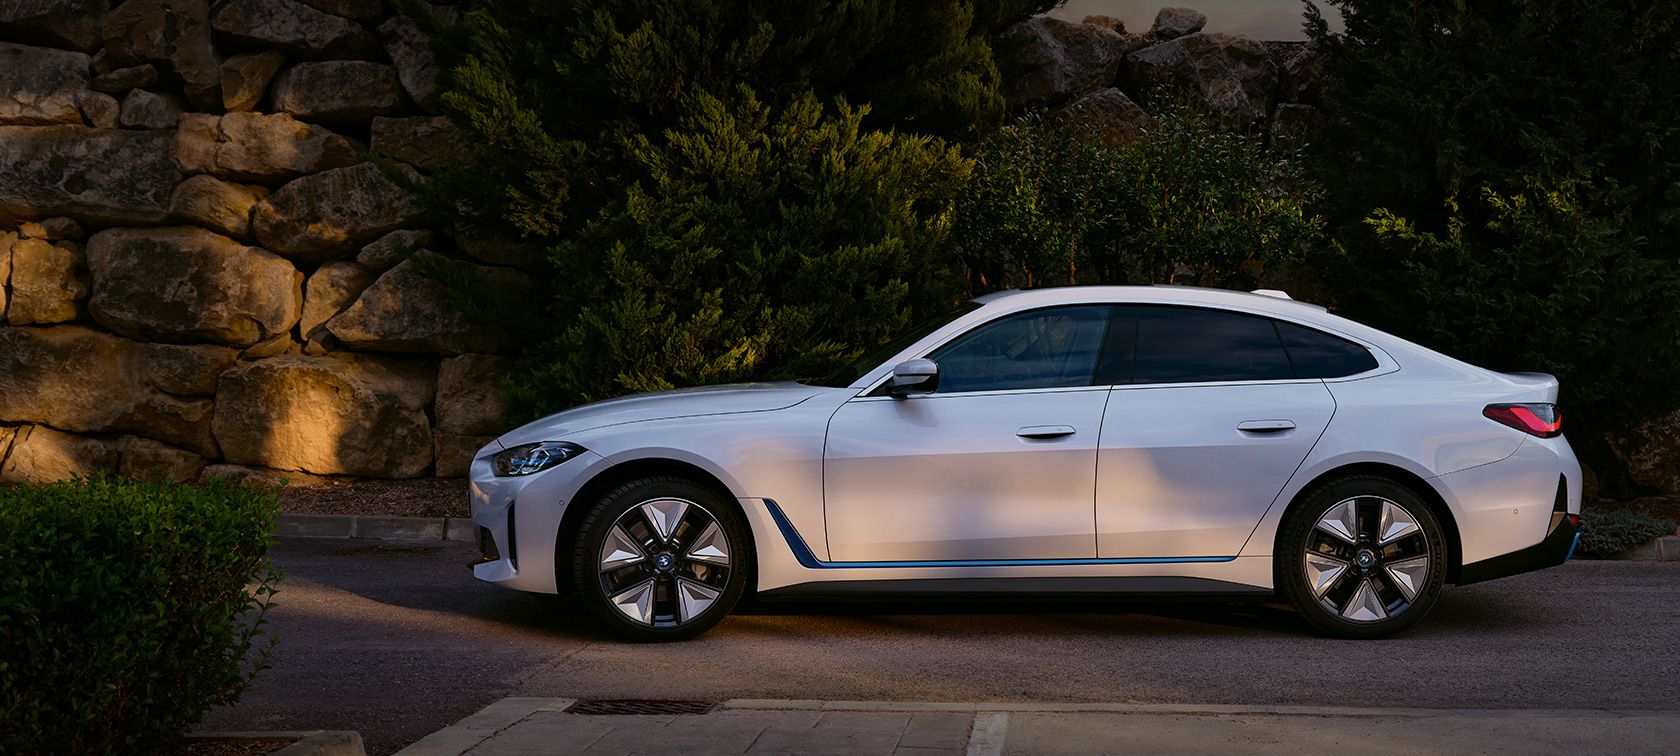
{"points": [[1572, 545], [809, 560]]}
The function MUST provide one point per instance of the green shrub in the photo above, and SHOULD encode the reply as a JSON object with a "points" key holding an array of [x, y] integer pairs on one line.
{"points": [[726, 190], [1605, 534], [127, 610], [1502, 181], [1059, 202]]}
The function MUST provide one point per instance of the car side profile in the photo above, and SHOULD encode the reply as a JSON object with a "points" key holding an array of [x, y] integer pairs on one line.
{"points": [[1155, 440]]}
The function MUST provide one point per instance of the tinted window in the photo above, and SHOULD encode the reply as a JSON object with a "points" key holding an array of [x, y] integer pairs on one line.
{"points": [[1119, 346], [1050, 348], [1319, 355], [1188, 345]]}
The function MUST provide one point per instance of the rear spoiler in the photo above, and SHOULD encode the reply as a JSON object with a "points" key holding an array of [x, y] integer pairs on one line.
{"points": [[1536, 387]]}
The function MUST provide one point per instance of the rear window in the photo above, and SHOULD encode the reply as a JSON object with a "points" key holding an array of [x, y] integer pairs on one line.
{"points": [[1319, 355], [1190, 345]]}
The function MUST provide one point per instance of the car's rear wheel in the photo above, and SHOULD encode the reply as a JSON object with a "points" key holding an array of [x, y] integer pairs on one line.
{"points": [[1362, 557], [661, 559]]}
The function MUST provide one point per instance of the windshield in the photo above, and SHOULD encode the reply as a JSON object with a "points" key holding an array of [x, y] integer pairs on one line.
{"points": [[872, 358]]}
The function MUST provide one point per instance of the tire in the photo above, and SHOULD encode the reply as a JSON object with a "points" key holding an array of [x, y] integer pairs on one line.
{"points": [[1348, 579], [661, 559]]}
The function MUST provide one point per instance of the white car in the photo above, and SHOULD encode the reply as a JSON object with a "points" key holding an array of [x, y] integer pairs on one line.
{"points": [[1088, 440]]}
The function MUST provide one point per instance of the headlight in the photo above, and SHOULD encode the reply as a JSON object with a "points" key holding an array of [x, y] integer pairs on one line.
{"points": [[527, 459]]}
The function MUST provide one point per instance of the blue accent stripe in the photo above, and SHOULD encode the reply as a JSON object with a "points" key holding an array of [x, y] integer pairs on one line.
{"points": [[1572, 545], [809, 560]]}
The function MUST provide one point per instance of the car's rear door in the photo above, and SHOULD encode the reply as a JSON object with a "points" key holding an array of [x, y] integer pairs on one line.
{"points": [[998, 464], [1206, 433]]}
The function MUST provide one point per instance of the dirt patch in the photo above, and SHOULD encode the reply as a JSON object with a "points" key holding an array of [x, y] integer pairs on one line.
{"points": [[424, 497]]}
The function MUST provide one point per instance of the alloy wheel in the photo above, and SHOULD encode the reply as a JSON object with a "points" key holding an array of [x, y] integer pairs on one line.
{"points": [[665, 562], [1366, 559]]}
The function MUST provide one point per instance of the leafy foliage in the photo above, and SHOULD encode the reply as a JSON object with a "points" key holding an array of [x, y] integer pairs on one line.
{"points": [[1505, 181], [714, 179], [127, 610], [1604, 534], [1058, 202]]}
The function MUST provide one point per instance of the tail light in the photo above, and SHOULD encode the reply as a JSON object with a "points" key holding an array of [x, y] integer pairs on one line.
{"points": [[1537, 419]]}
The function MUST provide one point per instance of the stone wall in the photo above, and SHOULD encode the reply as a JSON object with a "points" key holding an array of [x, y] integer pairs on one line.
{"points": [[201, 269]]}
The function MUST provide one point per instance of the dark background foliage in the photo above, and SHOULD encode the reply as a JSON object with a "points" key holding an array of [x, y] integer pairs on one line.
{"points": [[1502, 182]]}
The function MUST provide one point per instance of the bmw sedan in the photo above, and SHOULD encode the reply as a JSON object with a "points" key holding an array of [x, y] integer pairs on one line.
{"points": [[1078, 441]]}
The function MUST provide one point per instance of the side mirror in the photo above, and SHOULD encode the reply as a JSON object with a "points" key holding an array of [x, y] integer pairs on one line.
{"points": [[913, 377]]}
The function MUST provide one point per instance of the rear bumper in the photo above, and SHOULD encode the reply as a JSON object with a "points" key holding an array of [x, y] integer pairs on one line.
{"points": [[1555, 549]]}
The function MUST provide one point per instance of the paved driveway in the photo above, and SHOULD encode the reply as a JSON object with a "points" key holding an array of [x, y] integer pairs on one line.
{"points": [[399, 641]]}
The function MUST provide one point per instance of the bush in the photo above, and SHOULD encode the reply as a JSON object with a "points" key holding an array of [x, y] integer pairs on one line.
{"points": [[727, 190], [1502, 181], [1058, 202], [1604, 534], [127, 610]]}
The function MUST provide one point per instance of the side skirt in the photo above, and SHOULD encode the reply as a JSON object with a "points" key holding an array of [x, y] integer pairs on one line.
{"points": [[1135, 587]]}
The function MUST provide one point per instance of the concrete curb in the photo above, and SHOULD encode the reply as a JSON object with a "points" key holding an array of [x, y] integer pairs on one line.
{"points": [[309, 742], [1031, 707], [1664, 549], [402, 529], [466, 734]]}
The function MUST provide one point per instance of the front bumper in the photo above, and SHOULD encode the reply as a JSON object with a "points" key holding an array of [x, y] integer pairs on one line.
{"points": [[1563, 534], [519, 517]]}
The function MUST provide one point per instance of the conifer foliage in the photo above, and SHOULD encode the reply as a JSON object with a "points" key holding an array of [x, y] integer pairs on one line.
{"points": [[1506, 178], [728, 189]]}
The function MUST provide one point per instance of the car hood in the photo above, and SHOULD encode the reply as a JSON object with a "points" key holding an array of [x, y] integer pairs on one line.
{"points": [[663, 405]]}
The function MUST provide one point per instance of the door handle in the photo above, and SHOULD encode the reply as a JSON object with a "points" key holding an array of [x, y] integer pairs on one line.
{"points": [[1045, 431], [1265, 426]]}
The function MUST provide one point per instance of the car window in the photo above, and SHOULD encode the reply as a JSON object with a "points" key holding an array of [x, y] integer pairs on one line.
{"points": [[1050, 348], [1319, 355], [1192, 345]]}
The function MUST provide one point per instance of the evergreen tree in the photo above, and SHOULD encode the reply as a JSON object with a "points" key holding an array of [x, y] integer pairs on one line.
{"points": [[729, 189], [1504, 179]]}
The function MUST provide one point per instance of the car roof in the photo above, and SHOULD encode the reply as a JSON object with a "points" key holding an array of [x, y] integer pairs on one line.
{"points": [[1271, 302]]}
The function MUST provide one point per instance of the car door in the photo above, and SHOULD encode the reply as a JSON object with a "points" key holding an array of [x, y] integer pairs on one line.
{"points": [[1206, 433], [997, 464]]}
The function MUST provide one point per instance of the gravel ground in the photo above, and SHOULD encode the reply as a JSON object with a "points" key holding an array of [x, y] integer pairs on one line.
{"points": [[425, 497]]}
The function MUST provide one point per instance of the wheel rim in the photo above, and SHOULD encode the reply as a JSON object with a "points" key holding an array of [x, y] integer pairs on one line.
{"points": [[1367, 559], [665, 562]]}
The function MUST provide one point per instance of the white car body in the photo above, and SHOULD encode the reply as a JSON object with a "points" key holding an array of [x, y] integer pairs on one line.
{"points": [[1155, 490]]}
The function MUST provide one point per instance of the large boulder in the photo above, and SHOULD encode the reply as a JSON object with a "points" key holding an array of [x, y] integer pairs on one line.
{"points": [[293, 27], [1172, 23], [327, 416], [62, 23], [469, 395], [365, 11], [216, 204], [424, 141], [123, 79], [1651, 452], [145, 459], [99, 110], [384, 253], [331, 288], [246, 77], [185, 284], [1064, 58], [263, 148], [408, 309], [333, 213], [455, 453], [410, 49], [49, 282], [338, 90], [80, 380], [40, 85], [149, 110], [39, 455], [1304, 77], [174, 33], [98, 176], [7, 239], [185, 369], [1109, 112], [1232, 73]]}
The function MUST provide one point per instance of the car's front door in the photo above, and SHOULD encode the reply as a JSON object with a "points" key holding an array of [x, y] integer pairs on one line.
{"points": [[997, 464], [1204, 436]]}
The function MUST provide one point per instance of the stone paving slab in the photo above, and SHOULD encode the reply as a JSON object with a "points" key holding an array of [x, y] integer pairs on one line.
{"points": [[860, 728]]}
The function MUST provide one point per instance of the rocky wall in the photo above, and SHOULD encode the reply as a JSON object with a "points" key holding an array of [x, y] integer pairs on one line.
{"points": [[201, 267]]}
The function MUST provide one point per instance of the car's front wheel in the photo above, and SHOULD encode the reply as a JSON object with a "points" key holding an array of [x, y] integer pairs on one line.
{"points": [[661, 558], [1362, 557]]}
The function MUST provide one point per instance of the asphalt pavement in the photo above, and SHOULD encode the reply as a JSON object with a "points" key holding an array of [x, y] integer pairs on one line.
{"points": [[397, 641]]}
